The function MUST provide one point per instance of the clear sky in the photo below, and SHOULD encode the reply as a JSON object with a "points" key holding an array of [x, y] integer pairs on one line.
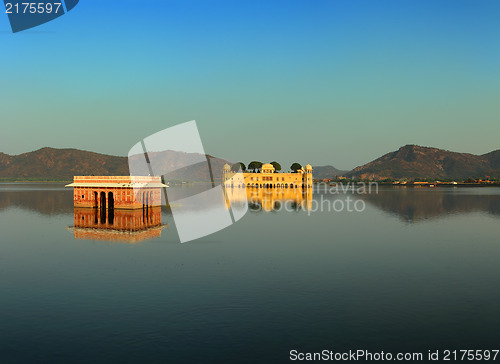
{"points": [[322, 81]]}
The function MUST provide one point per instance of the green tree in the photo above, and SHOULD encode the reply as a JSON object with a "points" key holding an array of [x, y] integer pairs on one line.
{"points": [[276, 165], [295, 167], [254, 165]]}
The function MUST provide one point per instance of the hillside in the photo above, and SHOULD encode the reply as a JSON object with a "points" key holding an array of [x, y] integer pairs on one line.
{"points": [[63, 164], [321, 172], [179, 166], [413, 161], [410, 161]]}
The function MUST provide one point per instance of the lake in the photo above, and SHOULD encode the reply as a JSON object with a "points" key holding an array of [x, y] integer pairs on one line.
{"points": [[413, 270]]}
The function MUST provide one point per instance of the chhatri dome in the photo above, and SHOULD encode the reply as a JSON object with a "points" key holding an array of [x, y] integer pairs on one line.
{"points": [[309, 167], [267, 167]]}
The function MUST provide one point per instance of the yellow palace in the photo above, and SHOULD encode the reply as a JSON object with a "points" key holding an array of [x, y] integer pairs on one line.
{"points": [[269, 178]]}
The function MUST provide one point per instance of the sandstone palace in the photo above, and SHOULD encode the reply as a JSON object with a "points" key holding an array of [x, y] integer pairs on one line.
{"points": [[269, 178]]}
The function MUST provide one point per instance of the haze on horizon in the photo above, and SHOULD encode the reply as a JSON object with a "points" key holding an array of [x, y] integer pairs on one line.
{"points": [[328, 82]]}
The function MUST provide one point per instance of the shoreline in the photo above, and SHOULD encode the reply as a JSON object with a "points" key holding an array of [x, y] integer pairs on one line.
{"points": [[34, 181]]}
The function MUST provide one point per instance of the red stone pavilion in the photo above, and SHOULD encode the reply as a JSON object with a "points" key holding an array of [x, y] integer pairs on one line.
{"points": [[117, 192]]}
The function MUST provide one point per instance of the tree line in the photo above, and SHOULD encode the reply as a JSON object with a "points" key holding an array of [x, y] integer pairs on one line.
{"points": [[256, 166]]}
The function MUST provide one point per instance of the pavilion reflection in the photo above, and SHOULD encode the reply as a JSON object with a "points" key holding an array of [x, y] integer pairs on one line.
{"points": [[272, 199], [117, 225]]}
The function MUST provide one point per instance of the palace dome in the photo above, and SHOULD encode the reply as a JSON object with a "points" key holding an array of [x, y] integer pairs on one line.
{"points": [[309, 167], [267, 166]]}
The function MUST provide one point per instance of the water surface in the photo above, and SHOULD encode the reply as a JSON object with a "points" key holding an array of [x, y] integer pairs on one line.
{"points": [[416, 270]]}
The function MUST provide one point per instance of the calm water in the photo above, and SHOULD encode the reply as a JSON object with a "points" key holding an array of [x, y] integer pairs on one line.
{"points": [[417, 270]]}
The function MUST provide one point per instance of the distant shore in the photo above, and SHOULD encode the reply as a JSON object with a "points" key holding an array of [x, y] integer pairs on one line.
{"points": [[416, 185], [28, 180]]}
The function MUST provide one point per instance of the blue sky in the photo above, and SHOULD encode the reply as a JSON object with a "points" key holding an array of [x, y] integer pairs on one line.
{"points": [[323, 81]]}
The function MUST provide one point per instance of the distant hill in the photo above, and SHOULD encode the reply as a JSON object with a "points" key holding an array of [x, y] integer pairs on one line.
{"points": [[410, 161], [321, 172], [63, 164], [413, 161], [175, 163]]}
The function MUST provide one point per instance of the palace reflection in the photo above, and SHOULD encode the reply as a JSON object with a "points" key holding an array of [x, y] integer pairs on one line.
{"points": [[272, 199], [118, 225]]}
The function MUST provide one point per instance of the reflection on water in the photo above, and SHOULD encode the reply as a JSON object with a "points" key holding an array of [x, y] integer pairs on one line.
{"points": [[273, 281], [47, 199], [272, 199], [130, 226], [413, 205]]}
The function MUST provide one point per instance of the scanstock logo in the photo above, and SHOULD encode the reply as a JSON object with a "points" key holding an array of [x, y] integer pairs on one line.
{"points": [[26, 14]]}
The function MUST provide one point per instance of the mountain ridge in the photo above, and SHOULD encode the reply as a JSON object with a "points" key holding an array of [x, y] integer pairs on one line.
{"points": [[53, 163], [410, 161], [62, 164], [414, 161], [328, 171]]}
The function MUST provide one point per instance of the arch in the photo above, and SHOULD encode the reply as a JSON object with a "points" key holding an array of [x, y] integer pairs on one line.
{"points": [[96, 199], [103, 200], [286, 185], [103, 207], [111, 200], [144, 206], [111, 216]]}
